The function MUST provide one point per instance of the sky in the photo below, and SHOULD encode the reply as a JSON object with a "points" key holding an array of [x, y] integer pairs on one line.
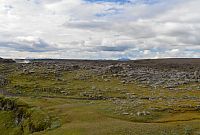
{"points": [[99, 29]]}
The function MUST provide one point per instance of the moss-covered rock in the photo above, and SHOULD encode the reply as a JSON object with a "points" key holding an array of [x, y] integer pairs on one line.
{"points": [[3, 81], [27, 119]]}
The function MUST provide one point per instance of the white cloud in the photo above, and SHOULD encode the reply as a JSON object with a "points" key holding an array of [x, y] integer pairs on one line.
{"points": [[80, 29]]}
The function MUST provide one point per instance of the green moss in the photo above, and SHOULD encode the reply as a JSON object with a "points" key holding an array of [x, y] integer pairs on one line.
{"points": [[24, 118], [70, 112]]}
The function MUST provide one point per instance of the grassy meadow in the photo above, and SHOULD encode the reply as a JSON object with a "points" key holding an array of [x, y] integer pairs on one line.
{"points": [[82, 103]]}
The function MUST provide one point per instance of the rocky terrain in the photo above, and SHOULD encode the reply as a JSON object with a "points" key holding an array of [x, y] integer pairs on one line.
{"points": [[167, 73], [6, 60], [164, 93]]}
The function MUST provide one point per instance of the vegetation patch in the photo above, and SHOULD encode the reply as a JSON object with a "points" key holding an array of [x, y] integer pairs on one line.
{"points": [[26, 119]]}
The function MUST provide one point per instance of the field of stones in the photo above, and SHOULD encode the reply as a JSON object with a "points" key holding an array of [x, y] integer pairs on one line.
{"points": [[82, 97]]}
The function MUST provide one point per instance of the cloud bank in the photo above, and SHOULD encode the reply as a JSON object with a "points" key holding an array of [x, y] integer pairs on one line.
{"points": [[99, 29]]}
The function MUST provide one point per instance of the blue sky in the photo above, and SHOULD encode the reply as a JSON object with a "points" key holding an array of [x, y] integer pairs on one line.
{"points": [[99, 29]]}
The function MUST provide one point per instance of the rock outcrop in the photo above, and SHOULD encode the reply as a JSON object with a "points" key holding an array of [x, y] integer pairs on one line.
{"points": [[27, 118], [3, 81]]}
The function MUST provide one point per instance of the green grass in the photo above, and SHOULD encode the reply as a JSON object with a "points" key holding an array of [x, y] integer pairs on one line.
{"points": [[83, 118], [76, 114], [7, 125], [17, 116]]}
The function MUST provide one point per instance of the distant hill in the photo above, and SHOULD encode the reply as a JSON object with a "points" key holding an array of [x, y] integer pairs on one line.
{"points": [[176, 61], [124, 59], [6, 60]]}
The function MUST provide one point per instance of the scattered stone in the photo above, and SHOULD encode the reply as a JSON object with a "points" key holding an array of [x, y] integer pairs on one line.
{"points": [[143, 113]]}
